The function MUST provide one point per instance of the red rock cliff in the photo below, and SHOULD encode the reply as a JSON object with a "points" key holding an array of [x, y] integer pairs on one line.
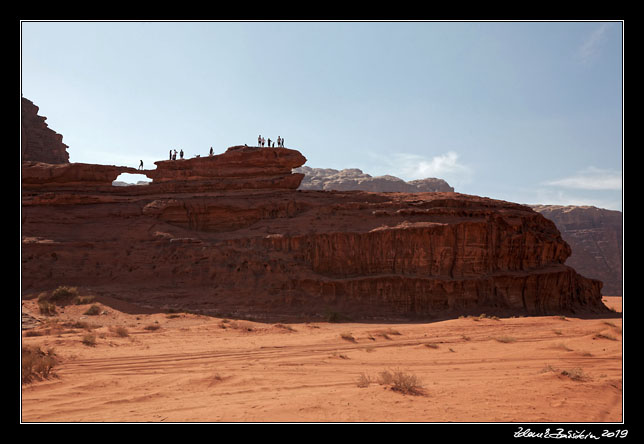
{"points": [[38, 142], [231, 233]]}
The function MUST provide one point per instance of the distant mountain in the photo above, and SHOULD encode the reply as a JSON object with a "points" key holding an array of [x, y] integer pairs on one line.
{"points": [[595, 236], [118, 183], [356, 179]]}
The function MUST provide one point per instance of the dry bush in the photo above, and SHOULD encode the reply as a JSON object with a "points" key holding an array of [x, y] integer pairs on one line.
{"points": [[576, 374], [46, 308], [89, 339], [363, 380], [94, 310], [37, 364], [121, 332], [401, 382]]}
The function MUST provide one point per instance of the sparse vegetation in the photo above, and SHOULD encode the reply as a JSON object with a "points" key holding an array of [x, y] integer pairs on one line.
{"points": [[37, 363], [63, 294], [89, 339], [94, 310], [576, 374], [364, 380], [401, 382], [46, 308], [121, 332]]}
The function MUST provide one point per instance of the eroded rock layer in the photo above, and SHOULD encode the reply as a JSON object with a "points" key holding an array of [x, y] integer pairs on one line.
{"points": [[39, 143], [231, 233]]}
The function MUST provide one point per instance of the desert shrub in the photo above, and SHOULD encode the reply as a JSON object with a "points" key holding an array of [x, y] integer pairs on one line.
{"points": [[120, 331], [401, 382], [94, 310], [82, 300], [37, 364], [46, 308], [89, 339], [363, 380], [576, 374], [64, 293]]}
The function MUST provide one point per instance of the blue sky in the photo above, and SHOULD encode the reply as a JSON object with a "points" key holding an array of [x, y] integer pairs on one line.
{"points": [[529, 112]]}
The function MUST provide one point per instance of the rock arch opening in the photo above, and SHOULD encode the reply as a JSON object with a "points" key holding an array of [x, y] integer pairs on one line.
{"points": [[129, 179]]}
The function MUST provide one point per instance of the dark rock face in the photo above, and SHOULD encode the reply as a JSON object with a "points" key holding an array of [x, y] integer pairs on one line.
{"points": [[595, 236], [38, 142]]}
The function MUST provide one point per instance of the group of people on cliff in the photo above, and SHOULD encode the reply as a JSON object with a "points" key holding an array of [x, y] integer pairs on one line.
{"points": [[173, 154], [261, 142]]}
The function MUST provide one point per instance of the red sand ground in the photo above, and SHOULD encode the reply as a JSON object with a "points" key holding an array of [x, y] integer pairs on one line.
{"points": [[202, 369]]}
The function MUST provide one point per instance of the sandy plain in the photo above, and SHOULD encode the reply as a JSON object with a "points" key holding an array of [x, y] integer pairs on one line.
{"points": [[184, 367]]}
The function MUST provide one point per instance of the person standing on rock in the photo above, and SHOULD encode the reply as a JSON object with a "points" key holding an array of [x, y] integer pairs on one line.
{"points": [[170, 155], [181, 154], [141, 165], [282, 142], [211, 151], [279, 141], [174, 156], [263, 141], [259, 140], [269, 142]]}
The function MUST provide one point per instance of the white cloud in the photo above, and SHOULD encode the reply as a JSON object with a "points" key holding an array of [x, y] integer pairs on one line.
{"points": [[407, 166], [591, 46], [591, 179]]}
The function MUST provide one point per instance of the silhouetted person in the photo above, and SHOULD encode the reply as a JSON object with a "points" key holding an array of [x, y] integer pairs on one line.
{"points": [[269, 142], [181, 154], [211, 151], [170, 155], [141, 165]]}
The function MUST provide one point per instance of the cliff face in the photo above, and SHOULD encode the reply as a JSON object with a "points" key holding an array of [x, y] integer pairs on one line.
{"points": [[595, 236], [38, 142], [354, 179], [231, 233]]}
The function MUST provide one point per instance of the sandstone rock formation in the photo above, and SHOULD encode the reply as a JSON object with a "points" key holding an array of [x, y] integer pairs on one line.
{"points": [[232, 234], [354, 179], [595, 236], [38, 142]]}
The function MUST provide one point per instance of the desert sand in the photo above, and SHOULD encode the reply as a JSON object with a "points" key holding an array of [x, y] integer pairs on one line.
{"points": [[185, 367]]}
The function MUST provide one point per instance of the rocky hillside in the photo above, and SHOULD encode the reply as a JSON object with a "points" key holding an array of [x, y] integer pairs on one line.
{"points": [[595, 236], [354, 179]]}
